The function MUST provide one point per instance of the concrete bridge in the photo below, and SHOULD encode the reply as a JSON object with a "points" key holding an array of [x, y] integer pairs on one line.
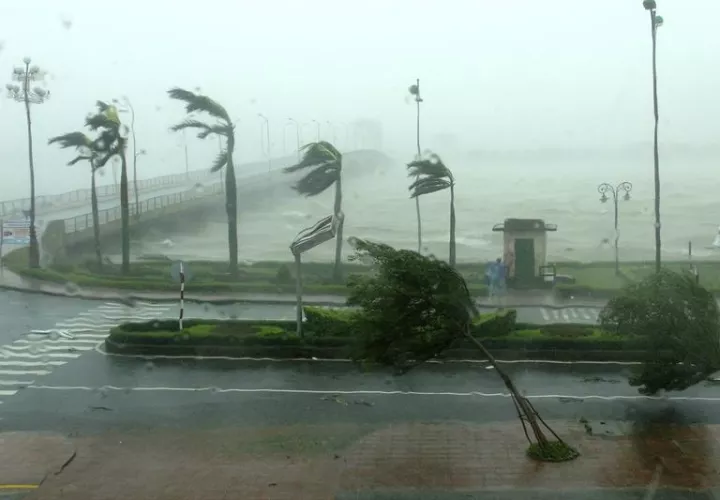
{"points": [[170, 200]]}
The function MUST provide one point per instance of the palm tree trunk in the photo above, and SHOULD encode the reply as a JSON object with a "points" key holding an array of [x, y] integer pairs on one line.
{"points": [[298, 293], [452, 225], [95, 218], [124, 209], [527, 413], [337, 269], [231, 207], [34, 255], [656, 156], [135, 184]]}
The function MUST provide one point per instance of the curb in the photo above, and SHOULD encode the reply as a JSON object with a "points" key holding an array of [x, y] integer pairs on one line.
{"points": [[318, 353], [104, 296]]}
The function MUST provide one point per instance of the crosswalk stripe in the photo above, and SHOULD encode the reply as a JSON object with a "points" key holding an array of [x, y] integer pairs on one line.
{"points": [[40, 351], [545, 315]]}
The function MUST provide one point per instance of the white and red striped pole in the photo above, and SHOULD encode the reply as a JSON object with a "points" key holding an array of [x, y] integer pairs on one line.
{"points": [[182, 295]]}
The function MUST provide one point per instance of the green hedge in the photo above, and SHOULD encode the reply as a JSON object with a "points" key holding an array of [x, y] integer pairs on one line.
{"points": [[327, 328]]}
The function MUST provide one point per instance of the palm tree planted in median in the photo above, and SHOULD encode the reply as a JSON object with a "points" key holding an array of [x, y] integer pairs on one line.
{"points": [[85, 152], [431, 175], [223, 127], [111, 143], [324, 165]]}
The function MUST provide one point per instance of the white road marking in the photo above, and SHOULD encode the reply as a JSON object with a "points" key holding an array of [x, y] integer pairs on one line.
{"points": [[99, 348], [586, 314], [545, 314], [573, 313], [366, 392], [42, 350], [565, 316], [556, 314]]}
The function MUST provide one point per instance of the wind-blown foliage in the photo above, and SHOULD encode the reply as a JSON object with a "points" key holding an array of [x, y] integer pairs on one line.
{"points": [[323, 164], [85, 152], [679, 321], [430, 176], [412, 308], [112, 142], [198, 103]]}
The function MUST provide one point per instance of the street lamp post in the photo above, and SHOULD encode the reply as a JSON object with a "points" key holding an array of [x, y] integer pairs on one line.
{"points": [[655, 22], [297, 134], [267, 131], [332, 130], [415, 91], [24, 75], [126, 102], [604, 189], [318, 129]]}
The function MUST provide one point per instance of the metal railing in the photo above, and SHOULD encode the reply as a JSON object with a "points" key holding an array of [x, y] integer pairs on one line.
{"points": [[11, 207], [82, 222]]}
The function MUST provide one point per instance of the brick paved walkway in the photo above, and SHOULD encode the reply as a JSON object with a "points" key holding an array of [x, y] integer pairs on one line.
{"points": [[325, 462]]}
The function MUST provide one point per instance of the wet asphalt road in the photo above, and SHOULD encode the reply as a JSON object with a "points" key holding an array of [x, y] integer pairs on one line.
{"points": [[95, 393]]}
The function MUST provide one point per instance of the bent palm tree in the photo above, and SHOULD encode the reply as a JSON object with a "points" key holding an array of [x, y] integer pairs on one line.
{"points": [[84, 146], [431, 175], [112, 142], [222, 127], [325, 164]]}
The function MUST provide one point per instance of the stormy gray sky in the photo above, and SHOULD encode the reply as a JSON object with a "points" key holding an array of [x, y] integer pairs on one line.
{"points": [[498, 75]]}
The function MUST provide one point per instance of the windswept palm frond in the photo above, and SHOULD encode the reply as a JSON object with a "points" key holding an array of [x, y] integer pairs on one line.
{"points": [[78, 159], [316, 154], [427, 185], [220, 161], [198, 102], [101, 121], [317, 180], [223, 130], [188, 123], [71, 140], [433, 167]]}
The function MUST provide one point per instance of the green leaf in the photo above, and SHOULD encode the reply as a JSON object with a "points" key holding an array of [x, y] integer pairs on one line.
{"points": [[318, 180], [79, 158], [198, 102], [427, 185], [188, 123], [71, 140], [316, 154], [432, 167], [220, 161]]}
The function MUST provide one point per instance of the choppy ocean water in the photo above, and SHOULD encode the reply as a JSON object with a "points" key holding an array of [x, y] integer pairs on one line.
{"points": [[559, 189]]}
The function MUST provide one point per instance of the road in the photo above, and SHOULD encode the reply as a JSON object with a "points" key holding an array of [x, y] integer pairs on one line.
{"points": [[63, 382], [536, 315]]}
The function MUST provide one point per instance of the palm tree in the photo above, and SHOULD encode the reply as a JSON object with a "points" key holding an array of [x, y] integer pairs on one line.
{"points": [[223, 127], [431, 175], [111, 143], [415, 91], [84, 146], [324, 163]]}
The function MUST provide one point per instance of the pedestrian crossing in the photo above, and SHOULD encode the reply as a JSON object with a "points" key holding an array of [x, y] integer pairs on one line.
{"points": [[39, 352], [570, 315]]}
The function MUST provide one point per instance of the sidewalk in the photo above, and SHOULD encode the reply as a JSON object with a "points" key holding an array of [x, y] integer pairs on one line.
{"points": [[344, 461], [14, 282]]}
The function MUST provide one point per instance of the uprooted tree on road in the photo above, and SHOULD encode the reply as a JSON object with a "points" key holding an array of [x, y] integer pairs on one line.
{"points": [[676, 321], [413, 308]]}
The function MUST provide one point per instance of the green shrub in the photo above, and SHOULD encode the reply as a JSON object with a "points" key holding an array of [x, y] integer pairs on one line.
{"points": [[495, 324], [271, 331], [323, 322]]}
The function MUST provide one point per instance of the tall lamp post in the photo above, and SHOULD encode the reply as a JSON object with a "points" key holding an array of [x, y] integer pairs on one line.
{"points": [[655, 22], [318, 129], [615, 192], [129, 107], [24, 75], [297, 134], [267, 132]]}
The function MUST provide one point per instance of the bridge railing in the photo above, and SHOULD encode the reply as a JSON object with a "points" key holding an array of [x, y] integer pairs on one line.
{"points": [[82, 222], [79, 195]]}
